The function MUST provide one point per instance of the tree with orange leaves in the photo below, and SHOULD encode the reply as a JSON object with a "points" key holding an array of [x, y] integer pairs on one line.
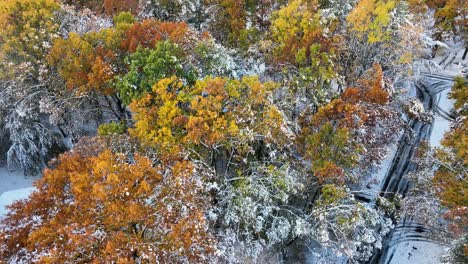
{"points": [[342, 134], [450, 179], [440, 181], [96, 205], [89, 63], [108, 7], [146, 33]]}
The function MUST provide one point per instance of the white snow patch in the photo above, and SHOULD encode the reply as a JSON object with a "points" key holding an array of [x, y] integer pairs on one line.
{"points": [[12, 180], [372, 186], [417, 252], [13, 186], [384, 167], [9, 197], [441, 125]]}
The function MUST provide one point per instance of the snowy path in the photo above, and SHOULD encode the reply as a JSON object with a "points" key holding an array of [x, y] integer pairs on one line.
{"points": [[13, 186], [410, 242], [415, 245]]}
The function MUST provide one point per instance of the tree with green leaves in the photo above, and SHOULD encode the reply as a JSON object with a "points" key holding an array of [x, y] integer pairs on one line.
{"points": [[147, 66]]}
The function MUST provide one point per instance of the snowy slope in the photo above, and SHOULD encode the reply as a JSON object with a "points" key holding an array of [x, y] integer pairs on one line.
{"points": [[9, 197], [13, 186], [415, 252]]}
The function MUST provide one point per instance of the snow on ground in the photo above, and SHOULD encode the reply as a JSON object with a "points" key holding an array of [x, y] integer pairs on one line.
{"points": [[450, 59], [9, 197], [427, 252], [14, 180], [13, 186], [373, 185], [417, 252], [441, 124]]}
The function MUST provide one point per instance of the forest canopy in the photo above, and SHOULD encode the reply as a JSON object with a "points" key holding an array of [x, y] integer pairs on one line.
{"points": [[224, 131]]}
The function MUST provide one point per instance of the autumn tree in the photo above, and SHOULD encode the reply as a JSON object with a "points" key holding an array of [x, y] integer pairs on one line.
{"points": [[450, 16], [232, 18], [89, 62], [342, 134], [28, 29], [148, 66], [449, 183], [42, 117], [161, 49], [96, 205], [380, 32], [299, 39], [231, 127], [371, 19], [112, 7], [450, 179], [149, 31], [208, 113], [332, 152], [459, 93], [305, 54], [240, 23], [108, 7]]}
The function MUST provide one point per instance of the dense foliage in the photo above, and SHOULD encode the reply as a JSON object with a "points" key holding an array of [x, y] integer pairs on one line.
{"points": [[214, 131]]}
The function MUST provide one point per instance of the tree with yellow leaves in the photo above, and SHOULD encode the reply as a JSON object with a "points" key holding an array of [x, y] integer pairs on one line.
{"points": [[232, 128], [383, 32], [299, 38], [304, 52], [213, 114], [450, 16], [27, 30], [371, 19]]}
